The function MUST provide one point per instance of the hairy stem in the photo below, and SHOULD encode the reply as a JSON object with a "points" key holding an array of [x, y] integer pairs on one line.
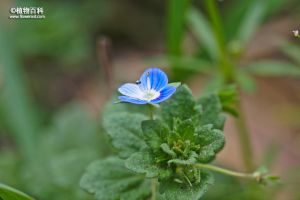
{"points": [[244, 139], [153, 181], [153, 188], [228, 72], [151, 111], [253, 176]]}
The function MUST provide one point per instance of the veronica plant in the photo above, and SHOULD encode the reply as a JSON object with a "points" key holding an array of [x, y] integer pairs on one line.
{"points": [[164, 156]]}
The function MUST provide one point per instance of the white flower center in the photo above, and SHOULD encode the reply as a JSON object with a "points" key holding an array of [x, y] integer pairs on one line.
{"points": [[150, 95]]}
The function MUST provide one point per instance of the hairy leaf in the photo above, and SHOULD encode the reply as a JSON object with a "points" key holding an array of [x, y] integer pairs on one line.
{"points": [[108, 179], [212, 110], [211, 142], [181, 105], [125, 132], [143, 162], [154, 132], [175, 191]]}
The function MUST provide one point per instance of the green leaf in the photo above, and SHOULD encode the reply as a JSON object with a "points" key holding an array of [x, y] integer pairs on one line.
{"points": [[273, 68], [18, 108], [181, 105], [125, 131], [154, 132], [175, 25], [251, 21], [200, 27], [143, 162], [185, 62], [175, 191], [9, 193], [108, 179], [213, 84], [176, 84], [211, 142], [71, 142], [115, 107], [293, 51], [191, 160], [235, 12], [246, 82], [229, 98], [212, 111], [185, 129]]}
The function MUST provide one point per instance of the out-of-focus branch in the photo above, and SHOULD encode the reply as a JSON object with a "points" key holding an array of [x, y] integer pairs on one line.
{"points": [[105, 61]]}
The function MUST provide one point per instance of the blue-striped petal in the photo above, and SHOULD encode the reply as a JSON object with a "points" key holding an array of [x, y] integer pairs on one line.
{"points": [[153, 78], [165, 94], [131, 90], [132, 100]]}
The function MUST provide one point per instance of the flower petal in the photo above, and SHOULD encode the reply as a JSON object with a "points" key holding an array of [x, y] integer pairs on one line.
{"points": [[153, 78], [131, 90], [165, 94], [132, 100]]}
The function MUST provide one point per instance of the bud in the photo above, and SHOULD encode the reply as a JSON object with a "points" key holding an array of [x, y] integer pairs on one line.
{"points": [[296, 33]]}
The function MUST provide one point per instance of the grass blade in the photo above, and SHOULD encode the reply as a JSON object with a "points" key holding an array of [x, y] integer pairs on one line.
{"points": [[202, 30]]}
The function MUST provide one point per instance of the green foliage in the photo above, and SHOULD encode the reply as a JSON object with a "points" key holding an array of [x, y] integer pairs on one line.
{"points": [[108, 179], [172, 192], [70, 142], [177, 10], [273, 68], [125, 132], [229, 188], [71, 35], [292, 51], [9, 193], [176, 18], [212, 111], [228, 99], [203, 32], [182, 105], [222, 41], [252, 19], [186, 132], [16, 104], [143, 162]]}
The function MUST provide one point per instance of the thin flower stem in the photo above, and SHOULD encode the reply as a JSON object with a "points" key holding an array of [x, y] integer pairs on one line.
{"points": [[227, 172], [153, 188], [153, 181], [151, 112]]}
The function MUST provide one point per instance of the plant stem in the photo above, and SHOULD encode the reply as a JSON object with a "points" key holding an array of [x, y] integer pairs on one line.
{"points": [[153, 181], [153, 188], [151, 112], [228, 172], [244, 138], [227, 70], [225, 66]]}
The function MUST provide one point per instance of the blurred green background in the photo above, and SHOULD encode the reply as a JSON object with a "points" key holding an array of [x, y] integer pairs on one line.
{"points": [[57, 73]]}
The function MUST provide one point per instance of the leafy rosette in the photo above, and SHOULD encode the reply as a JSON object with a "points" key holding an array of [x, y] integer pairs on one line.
{"points": [[188, 132], [185, 132]]}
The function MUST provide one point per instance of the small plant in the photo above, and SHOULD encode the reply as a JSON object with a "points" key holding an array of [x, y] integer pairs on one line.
{"points": [[163, 153]]}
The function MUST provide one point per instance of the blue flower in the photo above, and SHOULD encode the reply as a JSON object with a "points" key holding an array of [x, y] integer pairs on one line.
{"points": [[152, 88]]}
